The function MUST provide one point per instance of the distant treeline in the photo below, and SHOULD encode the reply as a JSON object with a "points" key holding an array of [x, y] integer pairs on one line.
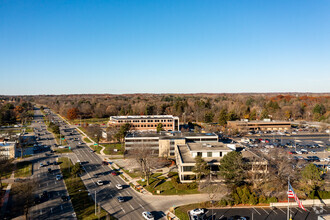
{"points": [[217, 108]]}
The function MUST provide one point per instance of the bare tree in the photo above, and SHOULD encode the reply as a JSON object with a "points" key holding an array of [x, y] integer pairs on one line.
{"points": [[143, 156], [5, 166], [23, 196]]}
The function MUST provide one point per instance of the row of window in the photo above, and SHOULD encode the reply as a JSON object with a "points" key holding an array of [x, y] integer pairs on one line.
{"points": [[152, 125], [143, 121], [210, 154]]}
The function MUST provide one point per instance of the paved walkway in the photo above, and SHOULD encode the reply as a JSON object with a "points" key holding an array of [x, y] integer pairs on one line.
{"points": [[4, 201]]}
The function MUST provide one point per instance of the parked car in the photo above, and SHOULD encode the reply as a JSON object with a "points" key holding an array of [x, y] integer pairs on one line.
{"points": [[49, 170], [147, 215], [58, 177], [65, 198], [197, 211], [118, 186], [99, 182], [120, 199]]}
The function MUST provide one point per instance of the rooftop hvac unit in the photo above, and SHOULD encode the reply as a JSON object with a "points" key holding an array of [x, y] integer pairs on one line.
{"points": [[209, 145]]}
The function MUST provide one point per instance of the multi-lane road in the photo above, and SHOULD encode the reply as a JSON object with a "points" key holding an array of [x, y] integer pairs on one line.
{"points": [[49, 205], [106, 195]]}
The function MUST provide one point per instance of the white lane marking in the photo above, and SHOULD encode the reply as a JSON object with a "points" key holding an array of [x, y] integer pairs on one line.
{"points": [[221, 217], [131, 206], [123, 209], [298, 210], [265, 211], [256, 211], [40, 211], [39, 185], [61, 207], [141, 205], [58, 193], [128, 193], [51, 210], [273, 210]]}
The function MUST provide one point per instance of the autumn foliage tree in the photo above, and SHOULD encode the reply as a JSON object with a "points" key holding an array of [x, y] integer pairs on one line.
{"points": [[72, 113]]}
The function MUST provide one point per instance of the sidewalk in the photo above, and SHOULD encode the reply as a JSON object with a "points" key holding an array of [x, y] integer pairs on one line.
{"points": [[5, 198]]}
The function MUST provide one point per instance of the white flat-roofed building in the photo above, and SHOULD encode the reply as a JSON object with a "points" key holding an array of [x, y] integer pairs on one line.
{"points": [[162, 144], [185, 157], [8, 149], [146, 122]]}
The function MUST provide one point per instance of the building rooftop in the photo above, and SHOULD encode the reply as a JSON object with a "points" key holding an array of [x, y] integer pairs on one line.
{"points": [[217, 146], [170, 135], [186, 149]]}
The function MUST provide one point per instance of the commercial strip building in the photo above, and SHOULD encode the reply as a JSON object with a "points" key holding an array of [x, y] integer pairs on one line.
{"points": [[265, 125], [146, 122], [163, 143]]}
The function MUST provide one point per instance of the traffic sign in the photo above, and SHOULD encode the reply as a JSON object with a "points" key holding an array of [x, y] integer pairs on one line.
{"points": [[69, 148], [95, 144]]}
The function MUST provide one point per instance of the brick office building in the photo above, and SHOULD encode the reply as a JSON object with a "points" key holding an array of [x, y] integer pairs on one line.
{"points": [[146, 122]]}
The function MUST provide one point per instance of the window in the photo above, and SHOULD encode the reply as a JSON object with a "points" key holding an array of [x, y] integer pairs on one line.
{"points": [[187, 168], [220, 154], [199, 154], [209, 154]]}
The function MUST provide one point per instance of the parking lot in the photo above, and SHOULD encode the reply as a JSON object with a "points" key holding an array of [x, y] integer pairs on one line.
{"points": [[263, 213]]}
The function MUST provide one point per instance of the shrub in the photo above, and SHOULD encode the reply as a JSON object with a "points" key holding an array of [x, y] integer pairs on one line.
{"points": [[223, 202], [272, 199], [253, 200], [262, 199]]}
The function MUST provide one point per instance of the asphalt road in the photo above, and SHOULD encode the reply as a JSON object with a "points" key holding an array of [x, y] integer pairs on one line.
{"points": [[53, 207], [107, 194], [266, 213]]}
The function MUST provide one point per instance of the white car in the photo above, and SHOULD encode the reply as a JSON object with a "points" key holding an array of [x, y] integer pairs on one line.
{"points": [[118, 186], [147, 215], [197, 211], [99, 182]]}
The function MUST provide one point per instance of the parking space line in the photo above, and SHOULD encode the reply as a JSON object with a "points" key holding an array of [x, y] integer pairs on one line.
{"points": [[131, 206], [122, 209], [299, 210], [256, 211], [265, 211], [273, 210], [141, 205]]}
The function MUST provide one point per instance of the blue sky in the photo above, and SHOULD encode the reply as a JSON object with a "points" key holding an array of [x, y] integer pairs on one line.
{"points": [[156, 46]]}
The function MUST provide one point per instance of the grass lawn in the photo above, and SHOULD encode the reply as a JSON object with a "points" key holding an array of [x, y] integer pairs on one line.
{"points": [[166, 187], [133, 175], [109, 149], [23, 169], [87, 140], [97, 149], [181, 211], [82, 203]]}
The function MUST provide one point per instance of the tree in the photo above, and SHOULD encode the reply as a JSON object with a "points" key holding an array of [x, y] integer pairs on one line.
{"points": [[123, 130], [264, 114], [232, 168], [142, 155], [208, 117], [223, 117], [23, 196], [201, 168], [95, 131], [76, 169], [72, 113], [160, 127], [5, 166], [311, 178]]}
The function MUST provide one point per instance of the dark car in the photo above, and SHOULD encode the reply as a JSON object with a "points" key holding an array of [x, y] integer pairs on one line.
{"points": [[120, 199], [65, 198], [114, 173], [105, 163], [49, 170], [44, 196]]}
